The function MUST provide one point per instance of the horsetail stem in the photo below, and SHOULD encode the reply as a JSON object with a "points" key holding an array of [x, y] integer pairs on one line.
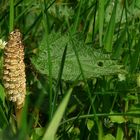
{"points": [[14, 69]]}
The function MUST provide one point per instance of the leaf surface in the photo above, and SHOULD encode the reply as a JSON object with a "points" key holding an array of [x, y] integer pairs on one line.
{"points": [[94, 62]]}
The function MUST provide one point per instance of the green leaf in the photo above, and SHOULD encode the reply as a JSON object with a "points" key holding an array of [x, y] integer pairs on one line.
{"points": [[53, 126], [90, 124], [109, 137], [135, 109], [130, 97], [120, 134], [94, 62], [37, 133], [117, 119]]}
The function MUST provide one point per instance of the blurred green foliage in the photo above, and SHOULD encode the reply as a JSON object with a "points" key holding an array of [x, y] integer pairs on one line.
{"points": [[91, 47]]}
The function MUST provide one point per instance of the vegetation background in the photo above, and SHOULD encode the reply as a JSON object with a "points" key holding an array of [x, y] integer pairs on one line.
{"points": [[82, 69]]}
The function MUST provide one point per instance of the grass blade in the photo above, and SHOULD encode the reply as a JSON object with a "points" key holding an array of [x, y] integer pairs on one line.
{"points": [[59, 79], [45, 25], [135, 58], [77, 18], [101, 19], [3, 119], [108, 39], [51, 131]]}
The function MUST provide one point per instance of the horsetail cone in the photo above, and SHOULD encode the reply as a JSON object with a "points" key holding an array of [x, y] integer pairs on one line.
{"points": [[14, 69]]}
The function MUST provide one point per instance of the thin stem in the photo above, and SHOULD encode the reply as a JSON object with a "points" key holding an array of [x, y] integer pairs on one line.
{"points": [[11, 19], [18, 117]]}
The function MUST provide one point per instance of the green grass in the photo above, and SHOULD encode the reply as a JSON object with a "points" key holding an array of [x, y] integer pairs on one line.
{"points": [[82, 69]]}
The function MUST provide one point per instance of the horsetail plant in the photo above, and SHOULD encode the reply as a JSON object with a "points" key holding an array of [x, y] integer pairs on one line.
{"points": [[14, 71]]}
